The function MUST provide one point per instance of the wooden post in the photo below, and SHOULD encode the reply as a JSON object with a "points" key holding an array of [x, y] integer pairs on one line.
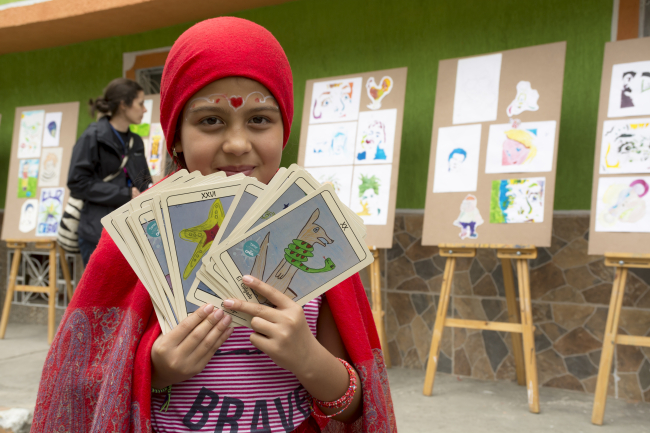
{"points": [[66, 271], [377, 309], [621, 262], [526, 363], [18, 246], [513, 317]]}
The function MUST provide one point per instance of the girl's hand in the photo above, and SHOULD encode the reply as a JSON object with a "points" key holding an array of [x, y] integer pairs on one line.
{"points": [[186, 350], [282, 333]]}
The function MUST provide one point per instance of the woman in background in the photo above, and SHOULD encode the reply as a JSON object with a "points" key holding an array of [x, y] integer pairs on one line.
{"points": [[98, 173]]}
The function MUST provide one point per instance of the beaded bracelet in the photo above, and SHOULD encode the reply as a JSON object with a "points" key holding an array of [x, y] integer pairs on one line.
{"points": [[344, 402], [168, 399]]}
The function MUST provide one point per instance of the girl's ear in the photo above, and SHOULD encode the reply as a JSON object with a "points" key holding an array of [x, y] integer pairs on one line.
{"points": [[178, 147]]}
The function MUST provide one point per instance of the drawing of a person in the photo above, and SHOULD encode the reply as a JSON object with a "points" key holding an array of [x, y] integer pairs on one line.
{"points": [[373, 141], [469, 218], [518, 148], [456, 158], [369, 196], [625, 203], [334, 102], [24, 178], [626, 98], [631, 145], [27, 218], [49, 166], [339, 143]]}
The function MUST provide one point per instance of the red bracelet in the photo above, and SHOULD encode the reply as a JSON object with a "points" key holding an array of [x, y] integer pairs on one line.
{"points": [[343, 402]]}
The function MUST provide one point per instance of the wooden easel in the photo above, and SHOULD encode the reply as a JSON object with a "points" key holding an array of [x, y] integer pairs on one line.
{"points": [[53, 247], [525, 361], [621, 262], [377, 310]]}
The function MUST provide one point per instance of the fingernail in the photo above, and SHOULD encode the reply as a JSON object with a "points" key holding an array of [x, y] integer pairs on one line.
{"points": [[218, 314], [208, 308], [228, 303], [226, 320], [247, 279]]}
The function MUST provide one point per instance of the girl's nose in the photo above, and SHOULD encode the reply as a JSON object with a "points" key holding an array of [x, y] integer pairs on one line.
{"points": [[237, 143]]}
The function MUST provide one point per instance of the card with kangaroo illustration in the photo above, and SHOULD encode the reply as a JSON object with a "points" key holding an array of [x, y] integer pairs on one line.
{"points": [[192, 217], [302, 251]]}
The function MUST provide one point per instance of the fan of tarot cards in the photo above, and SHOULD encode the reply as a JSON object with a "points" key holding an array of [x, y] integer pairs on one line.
{"points": [[191, 239]]}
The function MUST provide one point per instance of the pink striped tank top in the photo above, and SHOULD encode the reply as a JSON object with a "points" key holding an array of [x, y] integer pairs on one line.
{"points": [[240, 390]]}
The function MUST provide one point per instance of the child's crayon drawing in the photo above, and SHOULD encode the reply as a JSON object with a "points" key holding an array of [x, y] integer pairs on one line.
{"points": [[623, 204], [469, 218], [629, 93], [626, 146], [330, 144], [27, 178], [525, 100], [371, 193], [378, 92], [517, 201], [521, 147], [457, 156], [375, 136], [50, 211], [335, 101]]}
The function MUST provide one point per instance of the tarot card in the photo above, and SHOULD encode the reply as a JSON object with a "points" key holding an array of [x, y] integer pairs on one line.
{"points": [[249, 193], [143, 223], [111, 227], [177, 180], [194, 216], [130, 238], [200, 294], [286, 250]]}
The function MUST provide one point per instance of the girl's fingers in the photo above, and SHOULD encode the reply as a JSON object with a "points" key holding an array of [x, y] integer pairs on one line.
{"points": [[196, 337], [261, 342], [179, 333], [276, 298], [206, 346], [262, 326], [259, 310], [217, 344]]}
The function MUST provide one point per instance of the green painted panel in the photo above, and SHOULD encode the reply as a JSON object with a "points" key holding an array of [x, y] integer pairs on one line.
{"points": [[333, 37]]}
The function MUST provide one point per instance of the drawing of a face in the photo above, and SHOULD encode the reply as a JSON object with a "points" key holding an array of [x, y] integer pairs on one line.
{"points": [[334, 102], [625, 202], [469, 204], [456, 158], [518, 148], [525, 200], [27, 218], [628, 146], [339, 143], [49, 166], [633, 147], [369, 196], [373, 141]]}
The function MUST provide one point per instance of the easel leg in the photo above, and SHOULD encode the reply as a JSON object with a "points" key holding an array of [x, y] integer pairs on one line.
{"points": [[609, 342], [513, 317], [528, 332], [51, 316], [439, 326], [377, 309], [15, 263], [66, 271]]}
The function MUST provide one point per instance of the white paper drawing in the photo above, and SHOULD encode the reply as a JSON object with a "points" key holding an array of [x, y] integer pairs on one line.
{"points": [[526, 147], [31, 134], [28, 214], [148, 104], [154, 148], [469, 218], [525, 100], [623, 204], [476, 98], [50, 211], [629, 92], [330, 144], [375, 137], [335, 100], [377, 92], [339, 177], [50, 172], [514, 201], [371, 193], [457, 155], [52, 129], [626, 146]]}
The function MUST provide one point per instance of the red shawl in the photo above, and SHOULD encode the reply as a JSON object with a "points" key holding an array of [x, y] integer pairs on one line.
{"points": [[97, 376]]}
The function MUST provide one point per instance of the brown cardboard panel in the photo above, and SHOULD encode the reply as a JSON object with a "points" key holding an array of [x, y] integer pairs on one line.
{"points": [[67, 140], [543, 67], [380, 236], [633, 50]]}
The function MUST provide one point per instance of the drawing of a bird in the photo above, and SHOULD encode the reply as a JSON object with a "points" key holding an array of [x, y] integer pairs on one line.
{"points": [[377, 93]]}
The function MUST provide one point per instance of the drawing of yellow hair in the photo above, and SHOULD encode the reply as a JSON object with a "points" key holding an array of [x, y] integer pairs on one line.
{"points": [[524, 138]]}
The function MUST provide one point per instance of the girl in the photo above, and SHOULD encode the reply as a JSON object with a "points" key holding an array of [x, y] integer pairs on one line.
{"points": [[226, 104], [96, 174]]}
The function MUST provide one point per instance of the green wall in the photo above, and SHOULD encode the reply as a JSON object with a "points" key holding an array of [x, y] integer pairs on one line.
{"points": [[332, 37]]}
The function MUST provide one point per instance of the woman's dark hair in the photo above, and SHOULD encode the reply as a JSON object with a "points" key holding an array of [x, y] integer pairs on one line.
{"points": [[118, 90]]}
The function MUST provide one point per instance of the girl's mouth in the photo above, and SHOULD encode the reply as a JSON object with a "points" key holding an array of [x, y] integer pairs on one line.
{"points": [[235, 169]]}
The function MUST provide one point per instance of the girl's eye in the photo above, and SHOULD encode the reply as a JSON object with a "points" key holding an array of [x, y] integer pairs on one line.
{"points": [[211, 121], [259, 120]]}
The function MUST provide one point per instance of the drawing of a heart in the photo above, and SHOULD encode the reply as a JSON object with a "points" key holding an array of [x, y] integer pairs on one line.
{"points": [[236, 102]]}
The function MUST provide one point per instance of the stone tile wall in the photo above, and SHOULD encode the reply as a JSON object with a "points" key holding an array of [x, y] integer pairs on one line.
{"points": [[570, 293]]}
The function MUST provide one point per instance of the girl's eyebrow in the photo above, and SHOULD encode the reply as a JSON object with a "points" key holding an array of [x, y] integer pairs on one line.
{"points": [[265, 108]]}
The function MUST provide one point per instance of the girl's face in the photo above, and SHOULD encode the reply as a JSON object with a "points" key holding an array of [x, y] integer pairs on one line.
{"points": [[233, 125]]}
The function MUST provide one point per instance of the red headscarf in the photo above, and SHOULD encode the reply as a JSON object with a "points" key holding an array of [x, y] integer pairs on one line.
{"points": [[97, 376], [219, 48]]}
